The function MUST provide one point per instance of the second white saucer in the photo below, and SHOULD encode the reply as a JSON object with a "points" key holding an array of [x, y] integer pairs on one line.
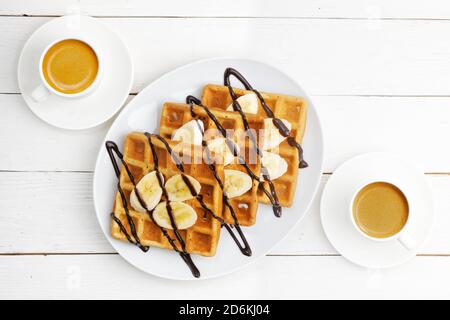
{"points": [[95, 108], [335, 205]]}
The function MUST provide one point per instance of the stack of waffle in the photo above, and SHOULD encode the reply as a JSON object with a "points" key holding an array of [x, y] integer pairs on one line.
{"points": [[202, 237]]}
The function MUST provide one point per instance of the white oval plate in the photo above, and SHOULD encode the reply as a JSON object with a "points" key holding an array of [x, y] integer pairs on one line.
{"points": [[100, 105], [143, 114]]}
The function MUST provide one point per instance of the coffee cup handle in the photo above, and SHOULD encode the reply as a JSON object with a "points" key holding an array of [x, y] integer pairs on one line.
{"points": [[407, 241], [40, 94]]}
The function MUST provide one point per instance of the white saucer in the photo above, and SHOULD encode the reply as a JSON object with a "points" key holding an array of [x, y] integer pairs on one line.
{"points": [[335, 210], [105, 101]]}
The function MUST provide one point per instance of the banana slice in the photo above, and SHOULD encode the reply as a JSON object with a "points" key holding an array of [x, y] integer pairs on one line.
{"points": [[248, 103], [236, 183], [275, 165], [149, 190], [220, 151], [185, 216], [178, 190], [191, 132], [272, 136]]}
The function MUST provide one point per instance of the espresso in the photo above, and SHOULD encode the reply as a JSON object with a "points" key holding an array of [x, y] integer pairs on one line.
{"points": [[70, 66], [380, 210]]}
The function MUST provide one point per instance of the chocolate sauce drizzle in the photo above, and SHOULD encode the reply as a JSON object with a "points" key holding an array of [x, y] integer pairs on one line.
{"points": [[284, 131], [265, 173], [244, 247], [271, 195], [133, 238], [112, 147]]}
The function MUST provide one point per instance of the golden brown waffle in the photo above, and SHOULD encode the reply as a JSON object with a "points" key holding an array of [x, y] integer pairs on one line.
{"points": [[174, 115], [286, 107], [203, 236]]}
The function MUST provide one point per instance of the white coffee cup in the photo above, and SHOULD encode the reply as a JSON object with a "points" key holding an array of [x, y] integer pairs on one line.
{"points": [[404, 235], [44, 90]]}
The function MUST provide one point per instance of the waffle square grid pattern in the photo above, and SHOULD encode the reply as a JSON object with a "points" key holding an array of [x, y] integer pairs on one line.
{"points": [[174, 115], [202, 238], [292, 109]]}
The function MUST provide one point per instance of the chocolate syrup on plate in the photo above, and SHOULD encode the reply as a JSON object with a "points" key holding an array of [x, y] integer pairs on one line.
{"points": [[111, 147], [284, 131], [133, 238], [244, 247], [191, 100]]}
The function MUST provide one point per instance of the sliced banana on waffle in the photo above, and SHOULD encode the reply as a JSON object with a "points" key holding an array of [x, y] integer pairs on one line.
{"points": [[272, 136], [184, 215], [220, 152], [276, 166], [178, 189], [248, 103], [236, 183], [149, 190], [191, 132]]}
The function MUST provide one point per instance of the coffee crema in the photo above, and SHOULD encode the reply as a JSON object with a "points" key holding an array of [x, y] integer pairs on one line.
{"points": [[70, 66], [380, 210]]}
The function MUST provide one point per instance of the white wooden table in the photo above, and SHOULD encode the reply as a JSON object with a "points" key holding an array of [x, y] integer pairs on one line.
{"points": [[378, 72]]}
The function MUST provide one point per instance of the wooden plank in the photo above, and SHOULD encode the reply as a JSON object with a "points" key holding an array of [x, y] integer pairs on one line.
{"points": [[52, 212], [436, 9], [30, 144], [49, 212], [352, 125], [416, 127], [110, 277], [327, 57]]}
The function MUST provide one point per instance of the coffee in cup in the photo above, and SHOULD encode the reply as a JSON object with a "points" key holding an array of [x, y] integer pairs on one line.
{"points": [[380, 211], [69, 68]]}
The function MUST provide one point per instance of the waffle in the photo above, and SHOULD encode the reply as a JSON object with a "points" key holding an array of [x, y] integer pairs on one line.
{"points": [[286, 107], [174, 115], [203, 236]]}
